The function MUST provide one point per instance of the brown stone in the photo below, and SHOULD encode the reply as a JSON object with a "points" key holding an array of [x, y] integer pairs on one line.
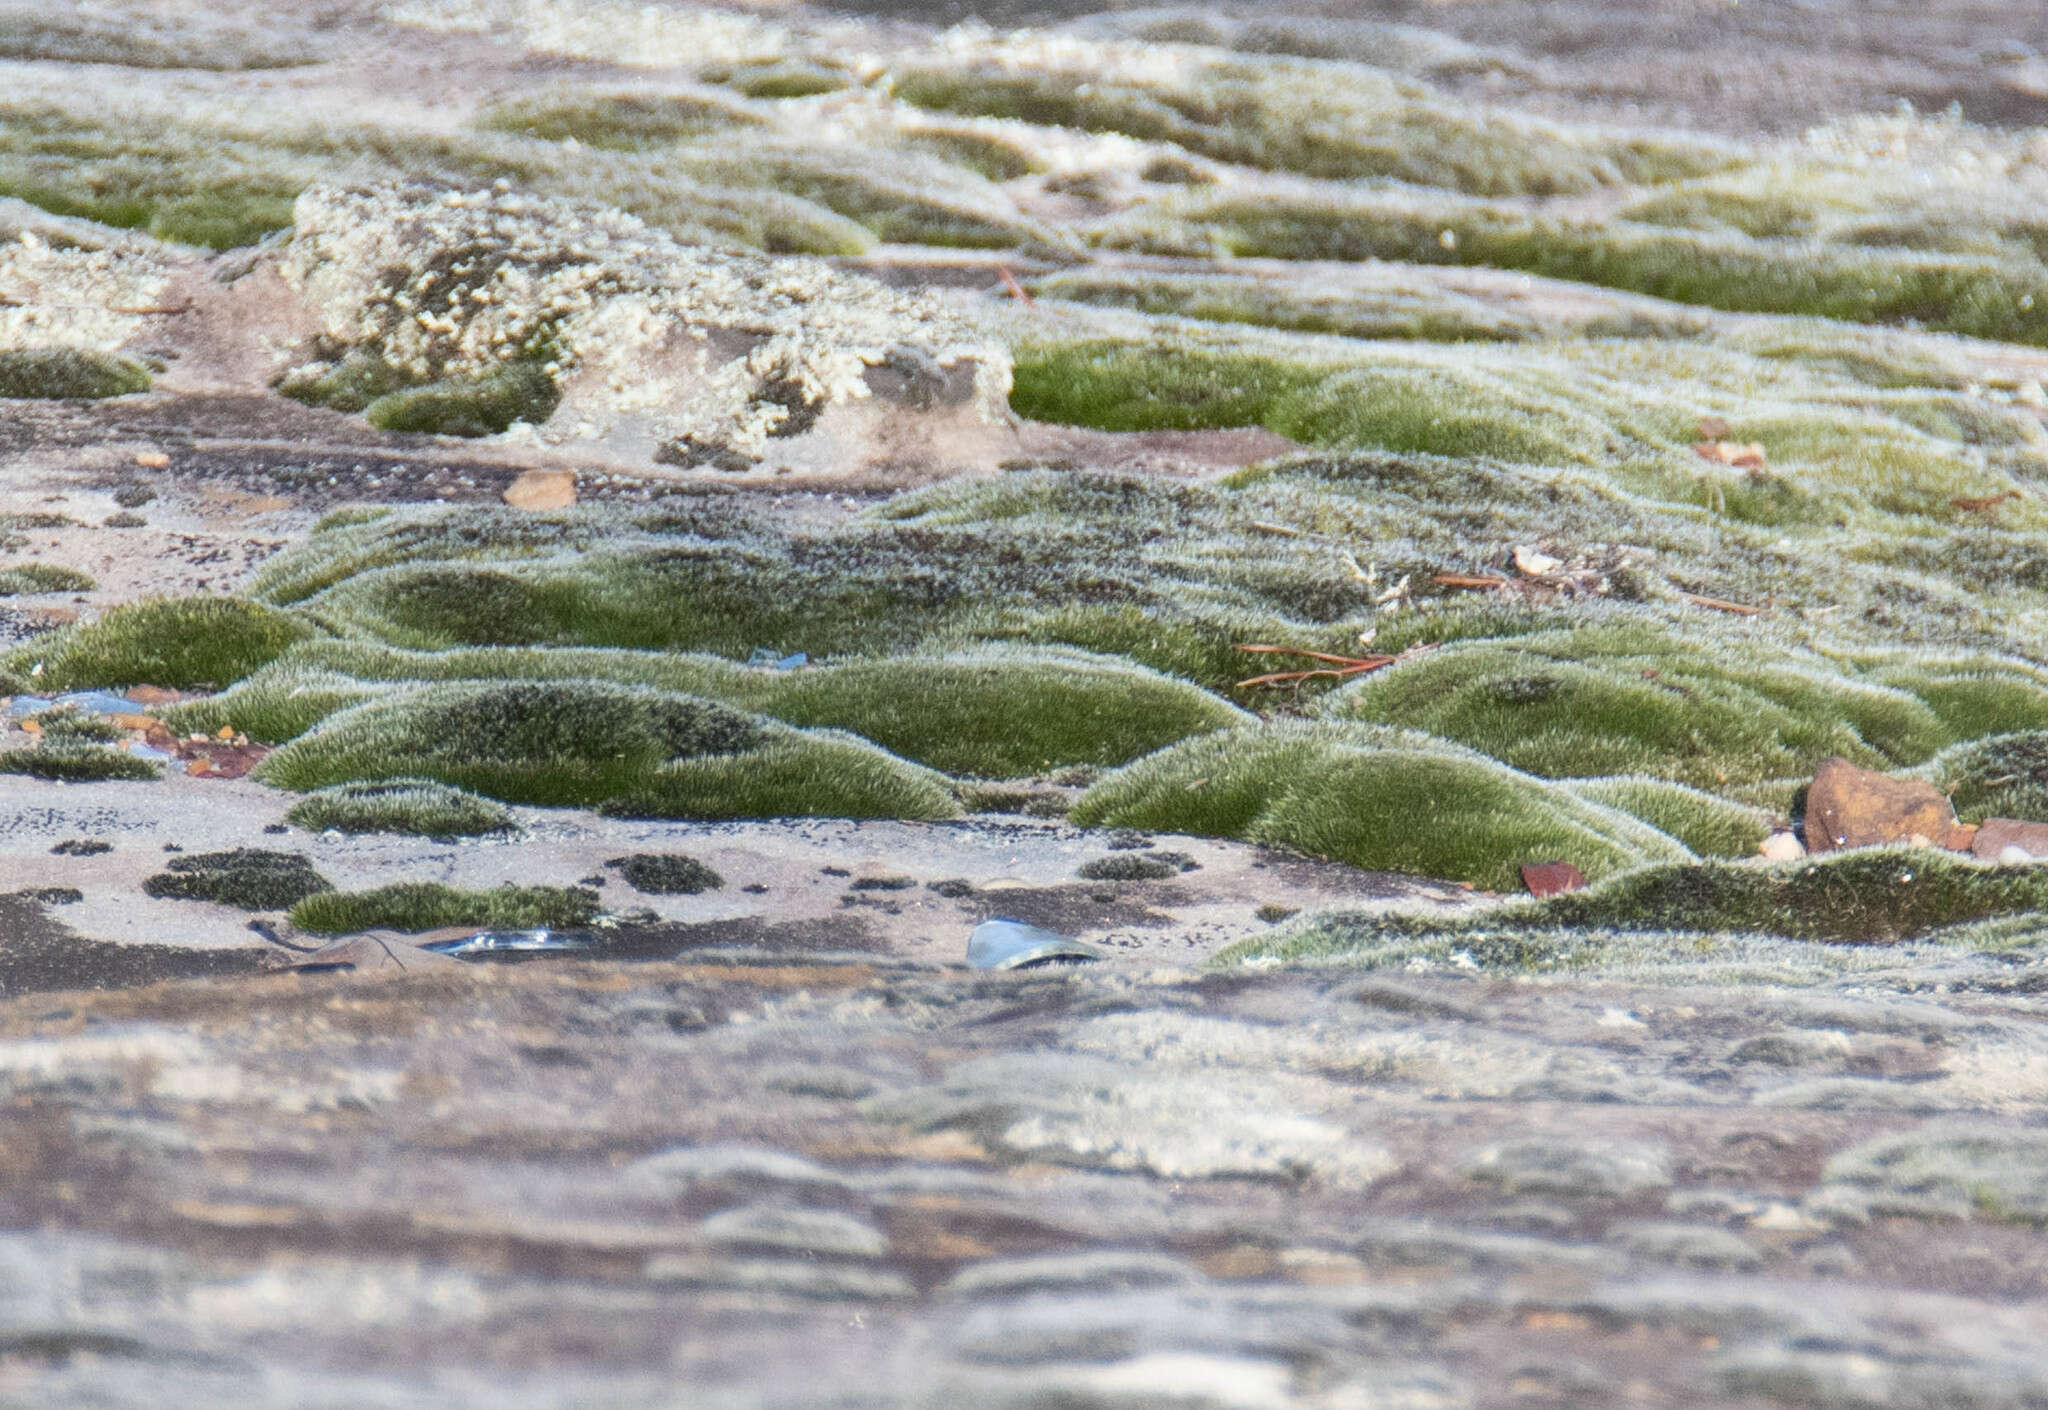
{"points": [[1852, 807], [542, 489], [1998, 834]]}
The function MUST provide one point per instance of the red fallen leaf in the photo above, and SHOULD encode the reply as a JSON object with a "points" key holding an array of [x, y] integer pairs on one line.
{"points": [[1740, 457], [1551, 878], [1713, 428], [1986, 504]]}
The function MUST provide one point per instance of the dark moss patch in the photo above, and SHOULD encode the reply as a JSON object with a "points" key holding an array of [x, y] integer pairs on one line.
{"points": [[1865, 897], [248, 877], [415, 906], [180, 642], [52, 373], [666, 873], [1128, 867], [25, 578], [133, 496], [81, 847], [76, 763], [415, 806], [67, 726], [616, 120], [470, 406]]}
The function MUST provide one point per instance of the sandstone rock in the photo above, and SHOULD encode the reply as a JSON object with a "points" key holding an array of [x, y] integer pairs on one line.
{"points": [[1852, 807], [2009, 840], [542, 489]]}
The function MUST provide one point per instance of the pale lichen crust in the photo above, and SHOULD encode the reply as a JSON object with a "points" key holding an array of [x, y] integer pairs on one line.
{"points": [[693, 355]]}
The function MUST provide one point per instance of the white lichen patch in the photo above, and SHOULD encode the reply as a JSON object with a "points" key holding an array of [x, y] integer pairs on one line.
{"points": [[702, 356], [85, 300]]}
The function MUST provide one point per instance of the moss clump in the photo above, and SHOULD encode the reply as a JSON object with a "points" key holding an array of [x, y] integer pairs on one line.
{"points": [[181, 642], [584, 743], [1709, 826], [1122, 386], [76, 763], [1386, 799], [428, 905], [68, 726], [1415, 312], [24, 578], [416, 806], [1129, 866], [1326, 120], [52, 373], [1869, 896], [984, 153], [2004, 776], [782, 78], [666, 873], [470, 406], [359, 378], [248, 877]]}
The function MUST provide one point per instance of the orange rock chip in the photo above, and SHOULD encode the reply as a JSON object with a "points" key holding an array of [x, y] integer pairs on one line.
{"points": [[1852, 807], [1552, 878], [542, 489]]}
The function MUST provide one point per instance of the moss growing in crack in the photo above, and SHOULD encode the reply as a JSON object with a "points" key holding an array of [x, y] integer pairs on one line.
{"points": [[179, 642], [1976, 295], [1323, 120], [627, 121], [56, 373], [666, 874], [21, 579], [1385, 799], [470, 406], [427, 905], [76, 763], [1866, 897], [417, 807], [584, 743], [248, 877]]}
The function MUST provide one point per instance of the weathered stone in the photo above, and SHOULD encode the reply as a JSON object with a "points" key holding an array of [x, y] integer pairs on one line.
{"points": [[542, 489], [1570, 1168], [1852, 807], [2010, 840]]}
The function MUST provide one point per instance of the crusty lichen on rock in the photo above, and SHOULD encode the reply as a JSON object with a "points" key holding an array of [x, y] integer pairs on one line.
{"points": [[701, 356]]}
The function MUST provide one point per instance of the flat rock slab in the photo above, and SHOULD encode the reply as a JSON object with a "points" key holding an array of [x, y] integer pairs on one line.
{"points": [[575, 1183]]}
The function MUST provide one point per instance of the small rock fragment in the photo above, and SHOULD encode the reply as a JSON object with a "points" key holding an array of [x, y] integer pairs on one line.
{"points": [[2009, 841], [542, 489], [1852, 807], [1552, 878]]}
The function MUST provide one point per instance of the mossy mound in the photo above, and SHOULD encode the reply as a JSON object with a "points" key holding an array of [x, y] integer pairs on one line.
{"points": [[666, 873], [2003, 776], [416, 806], [68, 726], [1872, 896], [76, 763], [428, 905], [180, 642], [586, 743], [52, 373], [248, 877], [1386, 799], [1629, 698], [20, 579], [1710, 826], [990, 712]]}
